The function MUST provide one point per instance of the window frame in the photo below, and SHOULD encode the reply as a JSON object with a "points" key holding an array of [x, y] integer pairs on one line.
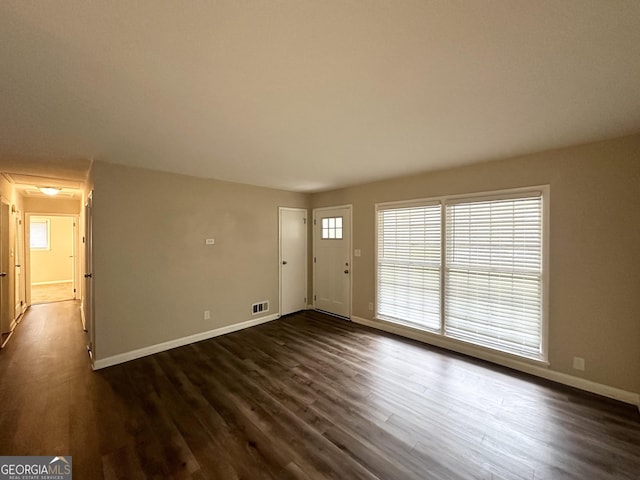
{"points": [[513, 193], [47, 222], [335, 229]]}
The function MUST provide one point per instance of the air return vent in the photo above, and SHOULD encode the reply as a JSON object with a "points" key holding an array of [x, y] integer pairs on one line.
{"points": [[260, 307]]}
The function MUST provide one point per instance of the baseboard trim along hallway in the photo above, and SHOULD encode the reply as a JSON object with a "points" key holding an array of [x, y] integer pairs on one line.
{"points": [[180, 342]]}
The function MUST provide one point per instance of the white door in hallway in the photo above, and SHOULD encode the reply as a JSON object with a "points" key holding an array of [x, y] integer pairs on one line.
{"points": [[6, 304], [332, 260], [87, 291], [293, 260], [18, 257]]}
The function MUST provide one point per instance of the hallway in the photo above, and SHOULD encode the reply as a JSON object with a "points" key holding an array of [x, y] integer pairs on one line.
{"points": [[46, 388]]}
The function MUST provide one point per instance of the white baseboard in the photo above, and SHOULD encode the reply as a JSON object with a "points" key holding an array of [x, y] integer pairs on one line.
{"points": [[538, 369], [179, 342], [82, 317], [54, 282], [6, 340]]}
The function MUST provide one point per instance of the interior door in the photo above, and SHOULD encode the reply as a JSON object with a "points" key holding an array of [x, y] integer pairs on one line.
{"points": [[6, 304], [19, 285], [74, 254], [87, 303], [332, 260], [293, 260]]}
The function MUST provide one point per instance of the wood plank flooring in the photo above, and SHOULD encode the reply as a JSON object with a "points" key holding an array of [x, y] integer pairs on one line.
{"points": [[55, 292], [304, 397]]}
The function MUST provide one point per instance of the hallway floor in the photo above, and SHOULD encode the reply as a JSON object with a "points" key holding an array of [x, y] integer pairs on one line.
{"points": [[46, 389], [55, 292]]}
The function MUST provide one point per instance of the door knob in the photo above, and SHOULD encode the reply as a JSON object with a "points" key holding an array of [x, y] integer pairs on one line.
{"points": [[284, 262], [3, 274], [88, 275], [346, 271]]}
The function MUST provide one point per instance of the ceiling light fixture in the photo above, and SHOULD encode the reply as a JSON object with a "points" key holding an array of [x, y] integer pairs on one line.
{"points": [[50, 190]]}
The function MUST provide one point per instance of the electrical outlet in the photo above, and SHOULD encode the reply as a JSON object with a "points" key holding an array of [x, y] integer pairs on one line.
{"points": [[371, 306], [210, 241], [578, 363], [207, 314]]}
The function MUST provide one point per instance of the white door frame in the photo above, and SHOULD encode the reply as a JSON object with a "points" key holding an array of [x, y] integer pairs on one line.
{"points": [[306, 252], [7, 295], [88, 300], [27, 250], [20, 286], [349, 207]]}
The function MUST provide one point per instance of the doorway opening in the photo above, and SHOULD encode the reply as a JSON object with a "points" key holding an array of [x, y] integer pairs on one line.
{"points": [[53, 266]]}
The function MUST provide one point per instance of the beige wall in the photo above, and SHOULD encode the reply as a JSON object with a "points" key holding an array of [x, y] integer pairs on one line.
{"points": [[55, 264], [153, 274], [594, 246], [9, 193], [52, 205]]}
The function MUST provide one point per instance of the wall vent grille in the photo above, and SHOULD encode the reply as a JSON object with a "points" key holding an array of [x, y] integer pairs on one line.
{"points": [[260, 307]]}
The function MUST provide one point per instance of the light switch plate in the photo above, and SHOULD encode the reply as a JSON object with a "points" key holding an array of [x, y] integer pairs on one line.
{"points": [[357, 252]]}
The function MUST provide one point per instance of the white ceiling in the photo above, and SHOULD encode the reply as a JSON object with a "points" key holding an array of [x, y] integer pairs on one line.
{"points": [[311, 95]]}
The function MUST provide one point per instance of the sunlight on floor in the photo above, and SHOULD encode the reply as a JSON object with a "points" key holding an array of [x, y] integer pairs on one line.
{"points": [[51, 293]]}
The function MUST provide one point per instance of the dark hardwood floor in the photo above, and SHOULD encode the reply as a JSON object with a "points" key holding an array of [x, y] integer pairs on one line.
{"points": [[304, 397]]}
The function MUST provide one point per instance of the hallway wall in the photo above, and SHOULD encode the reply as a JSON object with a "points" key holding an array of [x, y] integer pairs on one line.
{"points": [[153, 274]]}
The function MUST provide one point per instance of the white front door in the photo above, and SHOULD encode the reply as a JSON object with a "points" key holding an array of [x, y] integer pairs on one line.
{"points": [[332, 260], [293, 260]]}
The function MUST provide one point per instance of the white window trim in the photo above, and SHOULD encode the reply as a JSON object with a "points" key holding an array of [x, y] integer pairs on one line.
{"points": [[444, 200]]}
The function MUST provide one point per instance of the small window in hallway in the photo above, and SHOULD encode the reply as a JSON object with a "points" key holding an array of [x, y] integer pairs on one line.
{"points": [[39, 234]]}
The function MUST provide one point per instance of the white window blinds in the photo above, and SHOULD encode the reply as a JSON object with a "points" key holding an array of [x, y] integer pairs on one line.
{"points": [[409, 265], [493, 275], [39, 233]]}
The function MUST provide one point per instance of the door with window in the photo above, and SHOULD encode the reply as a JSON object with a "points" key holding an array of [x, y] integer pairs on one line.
{"points": [[293, 260], [332, 260]]}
